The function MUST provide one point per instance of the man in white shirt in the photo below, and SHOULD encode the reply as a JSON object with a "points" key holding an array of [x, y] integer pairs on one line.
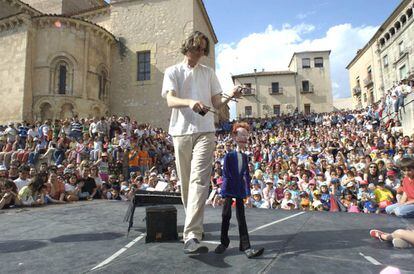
{"points": [[191, 90], [23, 177]]}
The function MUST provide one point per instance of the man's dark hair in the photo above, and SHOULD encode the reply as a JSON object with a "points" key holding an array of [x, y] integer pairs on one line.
{"points": [[406, 163], [194, 42], [23, 168]]}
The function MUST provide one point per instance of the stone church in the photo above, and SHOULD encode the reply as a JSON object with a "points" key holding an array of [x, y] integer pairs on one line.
{"points": [[60, 58]]}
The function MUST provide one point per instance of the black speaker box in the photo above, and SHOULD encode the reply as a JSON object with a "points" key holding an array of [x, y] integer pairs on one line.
{"points": [[161, 223]]}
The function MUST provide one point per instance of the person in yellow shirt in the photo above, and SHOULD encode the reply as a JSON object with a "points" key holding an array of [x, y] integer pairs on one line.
{"points": [[383, 197]]}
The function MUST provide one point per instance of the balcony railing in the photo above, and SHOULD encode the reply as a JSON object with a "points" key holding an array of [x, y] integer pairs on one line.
{"points": [[276, 91], [309, 90], [368, 81], [356, 91], [249, 92]]}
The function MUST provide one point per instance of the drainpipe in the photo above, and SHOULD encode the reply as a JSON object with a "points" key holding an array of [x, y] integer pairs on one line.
{"points": [[259, 111]]}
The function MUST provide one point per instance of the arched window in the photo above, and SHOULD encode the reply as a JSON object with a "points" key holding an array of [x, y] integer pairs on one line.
{"points": [[409, 12], [61, 70], [403, 19], [103, 80], [397, 25], [46, 112], [103, 84], [62, 76], [66, 111]]}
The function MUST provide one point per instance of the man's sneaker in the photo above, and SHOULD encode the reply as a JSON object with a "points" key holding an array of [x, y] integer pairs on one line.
{"points": [[220, 249], [251, 253], [193, 246], [399, 243]]}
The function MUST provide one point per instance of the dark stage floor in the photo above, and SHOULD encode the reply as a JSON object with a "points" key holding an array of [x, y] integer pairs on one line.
{"points": [[91, 237]]}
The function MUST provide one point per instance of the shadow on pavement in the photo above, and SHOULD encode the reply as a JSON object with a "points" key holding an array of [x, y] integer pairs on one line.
{"points": [[87, 237], [20, 245]]}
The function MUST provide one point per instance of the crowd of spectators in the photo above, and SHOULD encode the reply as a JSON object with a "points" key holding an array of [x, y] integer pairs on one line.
{"points": [[351, 161], [82, 159]]}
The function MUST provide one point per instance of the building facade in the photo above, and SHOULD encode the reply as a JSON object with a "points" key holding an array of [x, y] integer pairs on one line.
{"points": [[386, 59], [60, 58], [305, 87]]}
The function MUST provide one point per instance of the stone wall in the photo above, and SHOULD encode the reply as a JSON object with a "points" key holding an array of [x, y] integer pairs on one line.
{"points": [[408, 116], [7, 10], [87, 54], [262, 103], [320, 99], [157, 26], [46, 6], [200, 24], [13, 54], [74, 6]]}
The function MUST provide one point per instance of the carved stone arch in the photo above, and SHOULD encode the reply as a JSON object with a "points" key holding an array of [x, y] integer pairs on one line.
{"points": [[409, 12], [103, 82], [42, 108], [397, 25], [62, 71], [403, 19], [97, 111], [66, 109]]}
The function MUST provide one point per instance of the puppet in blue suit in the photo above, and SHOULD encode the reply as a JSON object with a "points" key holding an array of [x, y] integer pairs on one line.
{"points": [[236, 184]]}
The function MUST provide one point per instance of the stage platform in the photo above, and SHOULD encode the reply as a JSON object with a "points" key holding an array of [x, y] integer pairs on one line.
{"points": [[90, 237]]}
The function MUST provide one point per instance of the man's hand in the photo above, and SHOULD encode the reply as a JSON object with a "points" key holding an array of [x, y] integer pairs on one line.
{"points": [[237, 91], [197, 106]]}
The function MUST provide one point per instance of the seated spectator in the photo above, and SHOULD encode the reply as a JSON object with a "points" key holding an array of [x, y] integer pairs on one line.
{"points": [[405, 207], [383, 196], [23, 179], [31, 195], [287, 202], [71, 189], [305, 202], [258, 202], [349, 201], [268, 193], [8, 195], [400, 238], [317, 203], [56, 187]]}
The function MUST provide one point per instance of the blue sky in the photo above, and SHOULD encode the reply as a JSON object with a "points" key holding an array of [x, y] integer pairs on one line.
{"points": [[254, 16], [264, 33]]}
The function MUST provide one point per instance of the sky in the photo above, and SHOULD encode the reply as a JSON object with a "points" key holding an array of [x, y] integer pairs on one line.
{"points": [[263, 34]]}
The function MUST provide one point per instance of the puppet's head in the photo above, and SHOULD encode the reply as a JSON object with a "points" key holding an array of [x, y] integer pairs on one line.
{"points": [[240, 134]]}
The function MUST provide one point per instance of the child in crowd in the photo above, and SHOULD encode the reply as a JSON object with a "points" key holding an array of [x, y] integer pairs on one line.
{"points": [[349, 201], [325, 197], [287, 202], [383, 197], [71, 189], [304, 201], [317, 204]]}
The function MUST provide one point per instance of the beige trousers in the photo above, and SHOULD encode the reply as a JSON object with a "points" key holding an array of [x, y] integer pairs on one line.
{"points": [[194, 158]]}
